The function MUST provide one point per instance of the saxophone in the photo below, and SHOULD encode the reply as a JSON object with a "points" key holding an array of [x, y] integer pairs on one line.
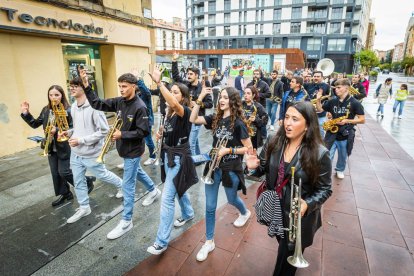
{"points": [[332, 126], [48, 135], [61, 119], [252, 128], [108, 139]]}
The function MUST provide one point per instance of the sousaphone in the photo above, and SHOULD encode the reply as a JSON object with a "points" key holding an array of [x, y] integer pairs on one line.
{"points": [[326, 66]]}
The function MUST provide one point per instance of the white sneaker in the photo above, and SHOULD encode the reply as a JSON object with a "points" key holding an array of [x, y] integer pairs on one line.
{"points": [[151, 197], [242, 219], [272, 128], [340, 175], [80, 213], [156, 249], [180, 221], [150, 161], [120, 166], [123, 227], [205, 249], [119, 194], [399, 117], [378, 114]]}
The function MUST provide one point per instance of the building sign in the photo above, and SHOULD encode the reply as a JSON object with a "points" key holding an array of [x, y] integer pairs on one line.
{"points": [[13, 15]]}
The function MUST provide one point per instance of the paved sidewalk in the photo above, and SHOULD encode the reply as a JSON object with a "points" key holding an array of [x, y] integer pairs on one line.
{"points": [[368, 224]]}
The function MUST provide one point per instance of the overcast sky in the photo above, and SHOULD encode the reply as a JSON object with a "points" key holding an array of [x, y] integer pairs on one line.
{"points": [[391, 18]]}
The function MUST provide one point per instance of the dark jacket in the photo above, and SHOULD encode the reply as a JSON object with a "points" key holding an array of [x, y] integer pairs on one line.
{"points": [[62, 148], [263, 89], [286, 83], [277, 89], [193, 90], [216, 81], [237, 83], [163, 104], [361, 89], [135, 121], [261, 120], [301, 96], [145, 96], [314, 194], [187, 175]]}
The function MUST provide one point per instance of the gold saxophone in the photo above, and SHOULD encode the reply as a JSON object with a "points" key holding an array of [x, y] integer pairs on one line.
{"points": [[108, 139], [252, 129], [61, 120], [332, 126], [48, 135]]}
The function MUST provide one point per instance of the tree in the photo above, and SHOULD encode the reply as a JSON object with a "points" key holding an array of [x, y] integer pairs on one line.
{"points": [[408, 65], [396, 66], [385, 66], [367, 59]]}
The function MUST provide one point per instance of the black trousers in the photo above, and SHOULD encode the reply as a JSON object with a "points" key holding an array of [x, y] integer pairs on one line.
{"points": [[61, 174], [283, 268]]}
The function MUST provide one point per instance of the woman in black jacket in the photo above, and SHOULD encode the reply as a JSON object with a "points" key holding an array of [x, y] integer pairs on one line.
{"points": [[297, 144], [59, 152]]}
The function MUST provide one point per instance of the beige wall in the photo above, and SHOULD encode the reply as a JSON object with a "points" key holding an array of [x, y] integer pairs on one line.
{"points": [[128, 6], [29, 67]]}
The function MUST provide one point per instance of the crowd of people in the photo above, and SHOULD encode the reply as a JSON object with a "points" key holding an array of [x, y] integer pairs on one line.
{"points": [[314, 117]]}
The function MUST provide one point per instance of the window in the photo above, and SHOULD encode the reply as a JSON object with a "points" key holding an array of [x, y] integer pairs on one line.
{"points": [[258, 43], [261, 29], [276, 28], [173, 41], [336, 13], [316, 28], [336, 44], [240, 5], [296, 13], [227, 43], [294, 43], [227, 5], [337, 2], [164, 40], [181, 41], [278, 2], [277, 42], [200, 33], [212, 44], [211, 31], [295, 27], [245, 16], [256, 28], [226, 30], [200, 45], [211, 19], [335, 28], [240, 16], [262, 15], [313, 44], [297, 1], [277, 14], [227, 18], [257, 3], [245, 29], [240, 29], [242, 43], [319, 13], [257, 16], [212, 6]]}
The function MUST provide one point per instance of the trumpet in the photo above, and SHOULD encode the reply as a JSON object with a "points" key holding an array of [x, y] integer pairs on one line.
{"points": [[295, 224], [215, 160], [313, 101], [48, 135], [108, 139], [61, 119], [332, 126], [353, 91], [157, 151]]}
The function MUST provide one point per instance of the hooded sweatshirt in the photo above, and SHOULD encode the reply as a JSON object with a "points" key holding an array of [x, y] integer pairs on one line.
{"points": [[90, 127]]}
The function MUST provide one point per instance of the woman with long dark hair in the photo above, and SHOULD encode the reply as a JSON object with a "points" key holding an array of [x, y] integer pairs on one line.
{"points": [[298, 144], [256, 115], [59, 152], [228, 124], [178, 170]]}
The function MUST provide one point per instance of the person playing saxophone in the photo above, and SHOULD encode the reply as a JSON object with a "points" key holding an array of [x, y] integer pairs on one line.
{"points": [[343, 139]]}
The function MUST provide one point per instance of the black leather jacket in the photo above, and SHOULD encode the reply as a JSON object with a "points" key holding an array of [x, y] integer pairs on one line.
{"points": [[314, 195]]}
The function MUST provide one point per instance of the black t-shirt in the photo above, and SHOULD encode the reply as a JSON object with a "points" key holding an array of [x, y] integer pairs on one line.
{"points": [[177, 129], [339, 109], [234, 135]]}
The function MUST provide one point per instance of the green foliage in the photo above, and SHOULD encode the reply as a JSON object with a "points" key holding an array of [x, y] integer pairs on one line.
{"points": [[373, 73], [385, 66], [395, 66], [367, 59]]}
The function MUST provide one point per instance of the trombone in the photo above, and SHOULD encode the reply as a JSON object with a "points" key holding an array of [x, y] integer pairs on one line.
{"points": [[295, 224]]}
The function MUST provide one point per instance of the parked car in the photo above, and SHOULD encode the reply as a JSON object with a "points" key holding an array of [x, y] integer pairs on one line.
{"points": [[386, 71]]}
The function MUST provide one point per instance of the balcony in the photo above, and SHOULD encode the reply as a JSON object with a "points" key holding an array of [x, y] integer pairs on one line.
{"points": [[312, 30]]}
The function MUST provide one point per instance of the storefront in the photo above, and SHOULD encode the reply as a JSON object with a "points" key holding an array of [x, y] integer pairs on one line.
{"points": [[41, 45]]}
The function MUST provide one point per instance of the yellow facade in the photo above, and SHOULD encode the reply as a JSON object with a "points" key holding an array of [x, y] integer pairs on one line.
{"points": [[33, 59]]}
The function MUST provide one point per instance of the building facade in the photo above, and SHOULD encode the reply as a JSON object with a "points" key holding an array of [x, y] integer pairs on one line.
{"points": [[43, 42], [409, 38], [398, 53], [369, 45], [170, 35], [335, 29]]}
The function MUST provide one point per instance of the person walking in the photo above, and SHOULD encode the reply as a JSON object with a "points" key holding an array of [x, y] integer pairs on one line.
{"points": [[382, 93], [400, 98]]}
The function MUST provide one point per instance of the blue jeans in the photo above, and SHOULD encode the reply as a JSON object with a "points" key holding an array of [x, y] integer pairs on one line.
{"points": [[150, 145], [194, 145], [168, 203], [79, 165], [396, 103], [271, 107], [211, 200], [380, 109], [241, 94], [321, 120], [133, 172], [342, 154]]}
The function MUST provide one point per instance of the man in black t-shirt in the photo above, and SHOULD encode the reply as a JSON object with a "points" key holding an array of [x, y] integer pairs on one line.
{"points": [[343, 139]]}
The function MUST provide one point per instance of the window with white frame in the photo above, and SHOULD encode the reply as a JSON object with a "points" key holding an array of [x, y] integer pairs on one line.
{"points": [[335, 28], [294, 43], [295, 27], [336, 44], [313, 44]]}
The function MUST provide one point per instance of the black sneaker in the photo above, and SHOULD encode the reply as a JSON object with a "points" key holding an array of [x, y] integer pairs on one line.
{"points": [[89, 182], [156, 249]]}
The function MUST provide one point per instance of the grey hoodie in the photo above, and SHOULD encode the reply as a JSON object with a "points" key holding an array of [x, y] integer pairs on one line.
{"points": [[90, 127]]}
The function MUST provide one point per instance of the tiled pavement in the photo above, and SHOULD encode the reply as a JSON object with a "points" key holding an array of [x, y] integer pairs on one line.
{"points": [[368, 224]]}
